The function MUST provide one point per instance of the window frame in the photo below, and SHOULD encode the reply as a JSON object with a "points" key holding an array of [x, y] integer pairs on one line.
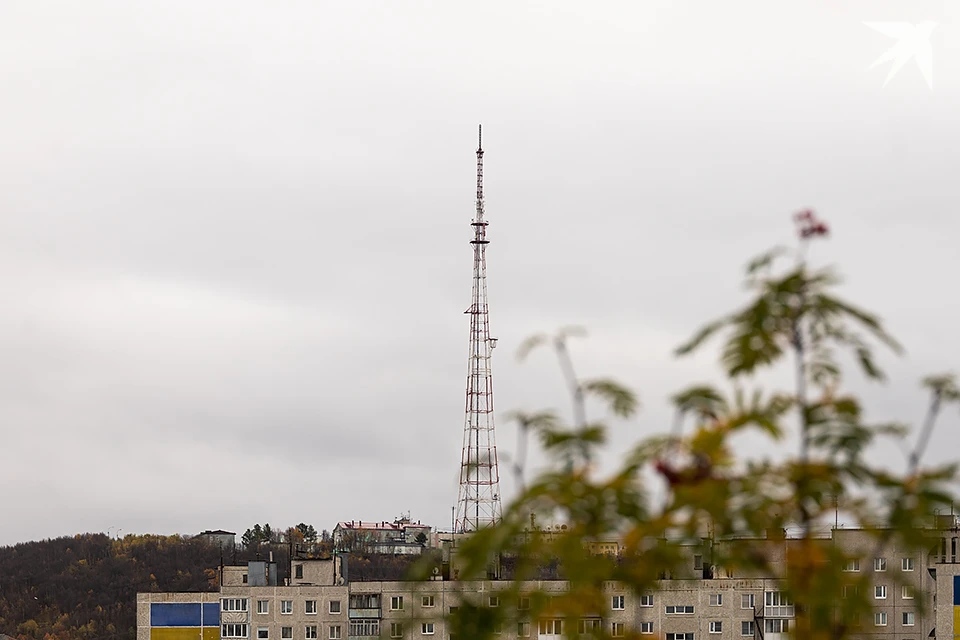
{"points": [[748, 624], [716, 599], [427, 628], [907, 564], [263, 607], [330, 607], [617, 600], [879, 564], [646, 627], [880, 619], [715, 626], [286, 607], [880, 592], [396, 603], [308, 628], [903, 618], [307, 604]]}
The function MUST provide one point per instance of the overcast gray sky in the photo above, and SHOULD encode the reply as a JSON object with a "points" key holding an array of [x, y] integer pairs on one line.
{"points": [[234, 235]]}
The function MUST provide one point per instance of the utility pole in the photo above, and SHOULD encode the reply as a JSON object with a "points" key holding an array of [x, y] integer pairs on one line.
{"points": [[478, 505]]}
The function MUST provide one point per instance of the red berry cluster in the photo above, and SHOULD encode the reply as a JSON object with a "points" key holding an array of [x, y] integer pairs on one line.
{"points": [[699, 471], [809, 225]]}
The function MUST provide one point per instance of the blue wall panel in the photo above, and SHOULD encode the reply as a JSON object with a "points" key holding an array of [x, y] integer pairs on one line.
{"points": [[175, 614], [956, 591], [211, 614]]}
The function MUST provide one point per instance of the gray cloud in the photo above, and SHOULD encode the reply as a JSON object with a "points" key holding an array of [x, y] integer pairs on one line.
{"points": [[234, 239]]}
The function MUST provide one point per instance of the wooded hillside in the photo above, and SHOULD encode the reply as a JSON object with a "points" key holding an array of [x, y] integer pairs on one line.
{"points": [[85, 587]]}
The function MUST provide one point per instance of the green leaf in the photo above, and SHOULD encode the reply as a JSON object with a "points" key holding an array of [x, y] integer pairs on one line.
{"points": [[623, 402]]}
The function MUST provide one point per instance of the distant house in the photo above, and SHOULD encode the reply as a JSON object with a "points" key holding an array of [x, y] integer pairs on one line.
{"points": [[218, 538], [400, 537]]}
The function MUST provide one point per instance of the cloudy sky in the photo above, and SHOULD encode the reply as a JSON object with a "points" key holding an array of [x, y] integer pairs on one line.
{"points": [[234, 251]]}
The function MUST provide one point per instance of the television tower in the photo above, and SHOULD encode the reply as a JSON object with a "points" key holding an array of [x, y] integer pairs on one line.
{"points": [[478, 505]]}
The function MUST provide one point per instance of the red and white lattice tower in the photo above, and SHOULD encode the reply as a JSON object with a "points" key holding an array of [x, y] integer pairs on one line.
{"points": [[478, 505]]}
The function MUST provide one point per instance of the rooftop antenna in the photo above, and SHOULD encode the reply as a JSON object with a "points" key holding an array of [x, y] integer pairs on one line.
{"points": [[478, 504]]}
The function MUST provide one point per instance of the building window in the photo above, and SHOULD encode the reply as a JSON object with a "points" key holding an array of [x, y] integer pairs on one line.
{"points": [[396, 629], [880, 592], [552, 627], [850, 590], [523, 629], [907, 564], [493, 601], [243, 579], [310, 606], [776, 604], [880, 618], [286, 633], [747, 628], [364, 628], [335, 633], [716, 626], [776, 625], [698, 562], [716, 599], [498, 628], [646, 627], [524, 603], [263, 606], [679, 636], [646, 601], [310, 632], [617, 603], [426, 628], [334, 606], [365, 601], [233, 604], [908, 619], [908, 592], [233, 631], [853, 565], [299, 571], [616, 629], [588, 626], [286, 606], [426, 601], [747, 601], [396, 603], [879, 564], [263, 633], [679, 608]]}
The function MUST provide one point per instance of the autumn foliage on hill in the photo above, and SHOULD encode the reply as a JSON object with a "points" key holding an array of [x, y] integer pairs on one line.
{"points": [[85, 587]]}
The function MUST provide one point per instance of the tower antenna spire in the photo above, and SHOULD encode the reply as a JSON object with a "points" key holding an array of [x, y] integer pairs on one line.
{"points": [[478, 505]]}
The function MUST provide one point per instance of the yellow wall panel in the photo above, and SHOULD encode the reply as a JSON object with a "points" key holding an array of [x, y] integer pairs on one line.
{"points": [[956, 622], [184, 633]]}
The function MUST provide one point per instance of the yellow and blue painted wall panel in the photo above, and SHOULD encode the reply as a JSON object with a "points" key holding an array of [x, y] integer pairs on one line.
{"points": [[185, 621]]}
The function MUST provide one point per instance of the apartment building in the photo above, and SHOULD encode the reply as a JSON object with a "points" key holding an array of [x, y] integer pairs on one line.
{"points": [[320, 602]]}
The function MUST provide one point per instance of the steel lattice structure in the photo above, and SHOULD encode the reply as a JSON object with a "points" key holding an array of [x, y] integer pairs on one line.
{"points": [[478, 504]]}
